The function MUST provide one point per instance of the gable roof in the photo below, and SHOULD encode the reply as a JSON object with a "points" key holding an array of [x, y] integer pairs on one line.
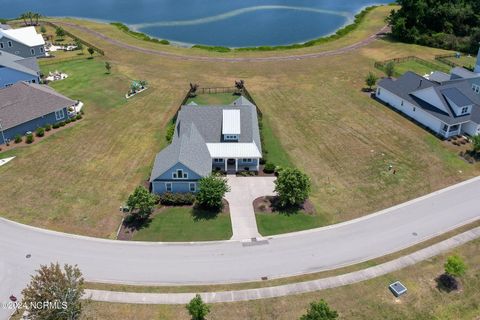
{"points": [[411, 83], [26, 35], [24, 101], [26, 65], [231, 121], [460, 72], [454, 95], [189, 149]]}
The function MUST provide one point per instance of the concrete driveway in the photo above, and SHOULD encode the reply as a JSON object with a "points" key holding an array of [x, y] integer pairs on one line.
{"points": [[240, 199]]}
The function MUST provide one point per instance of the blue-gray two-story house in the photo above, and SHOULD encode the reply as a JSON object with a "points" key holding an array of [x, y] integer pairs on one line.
{"points": [[24, 42], [208, 138], [24, 107], [15, 68]]}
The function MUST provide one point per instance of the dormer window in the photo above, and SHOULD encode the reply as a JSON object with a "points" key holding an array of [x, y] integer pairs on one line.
{"points": [[464, 110], [231, 125], [231, 137]]}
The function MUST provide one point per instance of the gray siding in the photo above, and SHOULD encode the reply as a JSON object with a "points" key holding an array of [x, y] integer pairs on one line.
{"points": [[178, 185], [31, 125], [159, 187], [20, 49]]}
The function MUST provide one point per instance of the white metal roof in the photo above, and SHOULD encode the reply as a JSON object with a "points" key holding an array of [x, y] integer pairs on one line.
{"points": [[233, 150], [231, 122], [27, 35]]}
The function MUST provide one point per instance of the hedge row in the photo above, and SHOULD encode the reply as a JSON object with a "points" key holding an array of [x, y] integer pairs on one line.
{"points": [[177, 199]]}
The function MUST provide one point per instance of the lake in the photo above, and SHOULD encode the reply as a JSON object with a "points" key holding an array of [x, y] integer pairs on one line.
{"points": [[232, 23]]}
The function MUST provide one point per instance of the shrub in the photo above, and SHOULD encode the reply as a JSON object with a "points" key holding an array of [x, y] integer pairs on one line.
{"points": [[30, 138], [170, 132], [197, 308], [68, 120], [73, 119], [269, 167], [40, 132], [18, 138], [320, 311], [48, 127], [79, 116], [141, 203], [447, 282], [263, 160], [455, 266], [62, 124], [56, 125], [177, 199]]}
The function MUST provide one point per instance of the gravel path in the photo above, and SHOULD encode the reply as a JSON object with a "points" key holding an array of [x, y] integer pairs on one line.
{"points": [[121, 44]]}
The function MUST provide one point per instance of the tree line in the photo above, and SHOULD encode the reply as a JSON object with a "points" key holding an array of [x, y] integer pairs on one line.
{"points": [[447, 24]]}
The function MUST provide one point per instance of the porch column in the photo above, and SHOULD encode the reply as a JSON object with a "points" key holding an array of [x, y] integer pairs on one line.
{"points": [[225, 161], [258, 164], [236, 164]]}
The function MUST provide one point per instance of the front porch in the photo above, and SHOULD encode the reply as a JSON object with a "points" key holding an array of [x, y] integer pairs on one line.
{"points": [[234, 165], [448, 131]]}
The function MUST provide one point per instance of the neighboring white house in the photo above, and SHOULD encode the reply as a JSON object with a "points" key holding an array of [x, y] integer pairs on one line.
{"points": [[24, 42], [448, 108]]}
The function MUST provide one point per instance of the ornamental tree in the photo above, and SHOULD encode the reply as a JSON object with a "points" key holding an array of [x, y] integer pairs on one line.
{"points": [[320, 311], [371, 80], [389, 69], [197, 308], [476, 143], [293, 187], [61, 289], [60, 32], [211, 190], [141, 203]]}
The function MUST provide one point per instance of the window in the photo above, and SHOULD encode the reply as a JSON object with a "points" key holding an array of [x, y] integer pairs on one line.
{"points": [[32, 51], [379, 91], [1, 45], [193, 187], [41, 49], [33, 81], [218, 160], [180, 174], [414, 109], [464, 110], [59, 114], [168, 187], [402, 103], [445, 128], [247, 160], [10, 44], [476, 88], [231, 137]]}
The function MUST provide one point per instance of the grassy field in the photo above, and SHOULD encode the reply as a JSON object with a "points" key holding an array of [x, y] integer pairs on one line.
{"points": [[419, 68], [315, 109], [277, 223], [213, 99], [367, 300], [185, 224]]}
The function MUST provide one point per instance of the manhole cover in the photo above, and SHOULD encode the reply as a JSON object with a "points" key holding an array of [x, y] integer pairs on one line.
{"points": [[28, 256], [415, 234], [264, 278]]}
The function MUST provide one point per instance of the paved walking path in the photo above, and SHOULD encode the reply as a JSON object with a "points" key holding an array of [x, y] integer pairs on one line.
{"points": [[243, 190], [176, 56], [289, 289]]}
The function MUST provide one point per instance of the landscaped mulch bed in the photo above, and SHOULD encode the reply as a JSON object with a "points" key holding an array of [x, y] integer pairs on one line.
{"points": [[127, 230], [270, 204]]}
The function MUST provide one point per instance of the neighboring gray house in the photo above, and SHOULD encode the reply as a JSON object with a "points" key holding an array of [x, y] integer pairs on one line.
{"points": [[206, 138], [14, 69], [26, 106], [24, 42], [448, 108]]}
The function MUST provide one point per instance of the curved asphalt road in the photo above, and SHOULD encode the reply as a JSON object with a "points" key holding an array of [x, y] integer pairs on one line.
{"points": [[232, 261], [176, 56]]}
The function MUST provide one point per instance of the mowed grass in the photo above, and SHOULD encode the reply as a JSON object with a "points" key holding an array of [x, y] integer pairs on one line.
{"points": [[419, 67], [184, 224], [464, 60], [75, 180], [369, 300], [213, 99], [276, 223]]}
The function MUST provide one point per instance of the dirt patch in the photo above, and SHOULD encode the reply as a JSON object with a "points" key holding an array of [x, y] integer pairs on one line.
{"points": [[270, 204]]}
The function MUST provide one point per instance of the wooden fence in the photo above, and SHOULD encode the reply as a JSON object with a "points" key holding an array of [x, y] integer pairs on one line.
{"points": [[381, 64]]}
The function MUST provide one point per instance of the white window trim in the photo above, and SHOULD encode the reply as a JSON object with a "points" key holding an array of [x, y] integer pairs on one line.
{"points": [[218, 160], [10, 44], [194, 187], [57, 115], [168, 185], [32, 51], [184, 175]]}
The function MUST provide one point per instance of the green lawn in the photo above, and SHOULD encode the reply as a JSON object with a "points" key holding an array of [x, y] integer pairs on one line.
{"points": [[464, 60], [278, 223], [419, 68], [213, 99], [180, 224]]}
